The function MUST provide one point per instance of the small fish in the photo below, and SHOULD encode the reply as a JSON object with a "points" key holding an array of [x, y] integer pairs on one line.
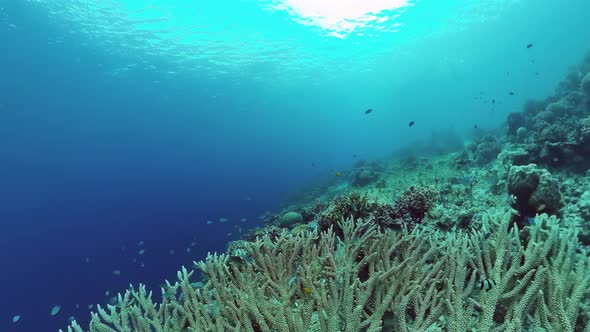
{"points": [[511, 93], [55, 310], [223, 220], [487, 284], [16, 318], [354, 155], [312, 164], [529, 45], [541, 207], [493, 101], [475, 126], [307, 290], [369, 111], [338, 174], [411, 123], [531, 220], [209, 222], [117, 272]]}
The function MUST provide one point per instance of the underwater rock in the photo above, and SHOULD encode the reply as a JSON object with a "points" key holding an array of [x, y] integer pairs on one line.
{"points": [[290, 219], [535, 190], [486, 150], [363, 177], [481, 152]]}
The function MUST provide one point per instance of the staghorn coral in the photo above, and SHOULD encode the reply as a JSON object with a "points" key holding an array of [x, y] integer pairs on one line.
{"points": [[354, 204], [368, 279]]}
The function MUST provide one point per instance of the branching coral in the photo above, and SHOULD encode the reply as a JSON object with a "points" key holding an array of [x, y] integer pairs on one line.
{"points": [[353, 205], [409, 281]]}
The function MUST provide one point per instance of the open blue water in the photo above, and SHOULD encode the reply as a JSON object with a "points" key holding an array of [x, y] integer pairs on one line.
{"points": [[127, 121]]}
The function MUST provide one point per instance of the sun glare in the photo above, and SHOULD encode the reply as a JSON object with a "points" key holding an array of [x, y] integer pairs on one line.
{"points": [[340, 17]]}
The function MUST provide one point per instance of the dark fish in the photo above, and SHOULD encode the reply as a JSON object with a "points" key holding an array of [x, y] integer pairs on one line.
{"points": [[369, 111], [529, 45], [511, 93], [475, 126], [354, 155], [411, 123], [493, 101], [312, 164], [487, 284]]}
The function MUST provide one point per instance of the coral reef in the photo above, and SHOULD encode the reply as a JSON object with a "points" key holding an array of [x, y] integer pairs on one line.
{"points": [[413, 205], [484, 150], [353, 205], [534, 190], [555, 132], [367, 280]]}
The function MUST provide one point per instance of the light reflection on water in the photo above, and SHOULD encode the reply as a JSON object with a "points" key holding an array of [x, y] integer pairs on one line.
{"points": [[295, 37]]}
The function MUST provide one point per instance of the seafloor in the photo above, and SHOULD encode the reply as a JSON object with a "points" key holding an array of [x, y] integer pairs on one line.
{"points": [[493, 237]]}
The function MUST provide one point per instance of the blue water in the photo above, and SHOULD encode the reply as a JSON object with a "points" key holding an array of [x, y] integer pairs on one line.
{"points": [[123, 122]]}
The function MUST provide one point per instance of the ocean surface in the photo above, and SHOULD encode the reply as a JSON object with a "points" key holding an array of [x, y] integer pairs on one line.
{"points": [[137, 136]]}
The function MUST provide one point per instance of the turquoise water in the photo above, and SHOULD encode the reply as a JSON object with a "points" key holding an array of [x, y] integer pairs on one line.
{"points": [[315, 64], [126, 121]]}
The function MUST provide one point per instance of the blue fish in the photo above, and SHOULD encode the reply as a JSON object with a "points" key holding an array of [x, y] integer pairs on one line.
{"points": [[531, 220]]}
